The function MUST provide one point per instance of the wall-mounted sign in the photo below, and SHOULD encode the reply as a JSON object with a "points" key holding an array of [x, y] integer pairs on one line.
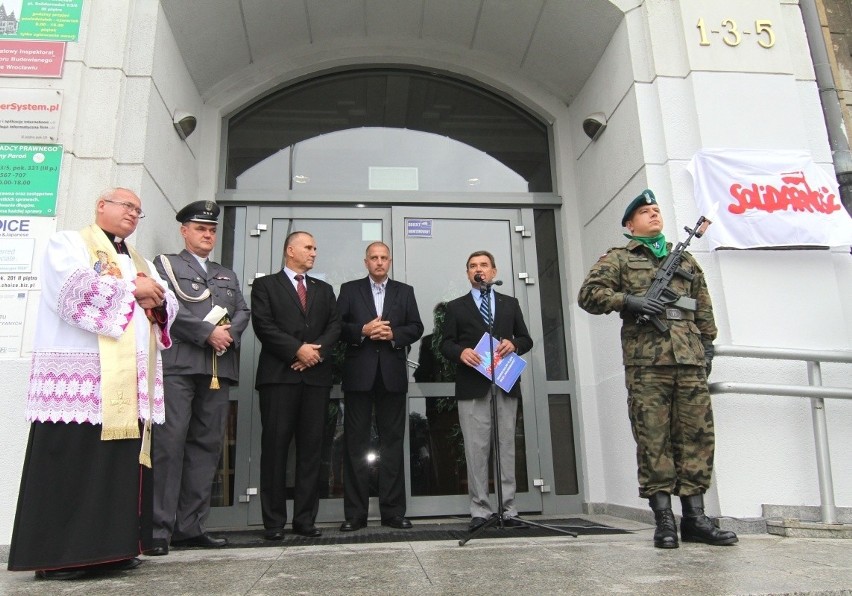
{"points": [[30, 115], [418, 228], [43, 59], [29, 179], [393, 178], [13, 308], [22, 245], [56, 20], [16, 254]]}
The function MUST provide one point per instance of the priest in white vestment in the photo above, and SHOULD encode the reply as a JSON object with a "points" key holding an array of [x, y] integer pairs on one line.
{"points": [[95, 388]]}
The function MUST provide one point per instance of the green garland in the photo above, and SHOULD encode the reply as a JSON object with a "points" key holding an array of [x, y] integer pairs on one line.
{"points": [[446, 369]]}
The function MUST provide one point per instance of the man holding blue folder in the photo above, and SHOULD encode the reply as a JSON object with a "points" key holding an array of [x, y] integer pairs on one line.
{"points": [[466, 322]]}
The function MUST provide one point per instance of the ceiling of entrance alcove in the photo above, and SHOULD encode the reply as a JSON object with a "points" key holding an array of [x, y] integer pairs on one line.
{"points": [[554, 43]]}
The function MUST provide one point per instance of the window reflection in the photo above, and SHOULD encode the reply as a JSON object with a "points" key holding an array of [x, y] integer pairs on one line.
{"points": [[267, 141], [382, 159], [562, 438], [432, 367], [222, 494], [333, 451], [437, 448], [550, 292], [437, 460]]}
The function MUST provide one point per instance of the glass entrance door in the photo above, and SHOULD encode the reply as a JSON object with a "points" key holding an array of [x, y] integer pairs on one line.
{"points": [[433, 244], [430, 247]]}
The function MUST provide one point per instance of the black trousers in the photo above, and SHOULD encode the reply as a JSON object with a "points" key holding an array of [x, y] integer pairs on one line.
{"points": [[288, 410], [390, 424]]}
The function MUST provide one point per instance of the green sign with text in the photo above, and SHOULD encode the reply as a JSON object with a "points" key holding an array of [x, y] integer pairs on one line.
{"points": [[29, 179], [44, 20]]}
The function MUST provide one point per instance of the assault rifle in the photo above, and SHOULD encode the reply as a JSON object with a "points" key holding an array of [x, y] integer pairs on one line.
{"points": [[660, 290]]}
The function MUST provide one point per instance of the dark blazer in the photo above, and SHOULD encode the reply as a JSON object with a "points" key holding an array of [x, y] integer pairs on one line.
{"points": [[363, 355], [190, 352], [282, 327], [463, 328]]}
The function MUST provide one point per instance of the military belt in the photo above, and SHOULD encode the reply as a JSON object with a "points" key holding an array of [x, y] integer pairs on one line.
{"points": [[676, 314]]}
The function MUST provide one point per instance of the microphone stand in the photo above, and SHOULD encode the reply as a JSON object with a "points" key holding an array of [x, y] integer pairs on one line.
{"points": [[497, 518]]}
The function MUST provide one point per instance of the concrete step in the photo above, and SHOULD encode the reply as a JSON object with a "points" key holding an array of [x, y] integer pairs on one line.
{"points": [[794, 528]]}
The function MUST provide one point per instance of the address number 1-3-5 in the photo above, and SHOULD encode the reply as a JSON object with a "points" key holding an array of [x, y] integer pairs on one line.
{"points": [[733, 36]]}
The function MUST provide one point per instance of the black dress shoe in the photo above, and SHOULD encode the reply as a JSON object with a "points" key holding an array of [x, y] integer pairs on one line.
{"points": [[204, 540], [60, 574], [273, 534], [513, 522], [159, 547], [476, 523], [308, 532], [398, 522], [351, 525], [122, 565]]}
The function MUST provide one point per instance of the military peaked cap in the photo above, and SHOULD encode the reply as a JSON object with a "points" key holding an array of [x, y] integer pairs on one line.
{"points": [[200, 211]]}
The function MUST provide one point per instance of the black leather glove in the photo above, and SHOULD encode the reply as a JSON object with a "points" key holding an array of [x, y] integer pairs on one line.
{"points": [[709, 352], [643, 306]]}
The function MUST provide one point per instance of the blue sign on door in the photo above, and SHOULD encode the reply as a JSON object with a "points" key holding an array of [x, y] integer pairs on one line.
{"points": [[418, 228]]}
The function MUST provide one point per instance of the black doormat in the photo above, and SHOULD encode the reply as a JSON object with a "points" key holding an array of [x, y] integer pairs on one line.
{"points": [[375, 533]]}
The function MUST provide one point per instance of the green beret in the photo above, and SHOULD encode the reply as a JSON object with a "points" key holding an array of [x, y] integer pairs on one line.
{"points": [[646, 198]]}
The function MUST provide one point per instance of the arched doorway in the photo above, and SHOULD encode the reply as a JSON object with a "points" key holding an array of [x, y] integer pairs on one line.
{"points": [[436, 167]]}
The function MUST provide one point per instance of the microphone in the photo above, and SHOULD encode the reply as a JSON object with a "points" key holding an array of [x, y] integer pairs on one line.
{"points": [[478, 278]]}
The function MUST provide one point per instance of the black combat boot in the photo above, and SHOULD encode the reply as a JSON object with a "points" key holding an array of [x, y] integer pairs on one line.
{"points": [[697, 527], [665, 536]]}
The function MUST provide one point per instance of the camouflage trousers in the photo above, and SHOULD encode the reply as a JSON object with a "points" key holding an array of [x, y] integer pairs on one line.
{"points": [[672, 420]]}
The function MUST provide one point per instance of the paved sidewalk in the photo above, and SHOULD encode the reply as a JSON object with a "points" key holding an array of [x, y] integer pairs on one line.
{"points": [[599, 564]]}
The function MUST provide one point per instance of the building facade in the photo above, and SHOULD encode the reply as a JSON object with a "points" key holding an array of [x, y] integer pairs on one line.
{"points": [[446, 126]]}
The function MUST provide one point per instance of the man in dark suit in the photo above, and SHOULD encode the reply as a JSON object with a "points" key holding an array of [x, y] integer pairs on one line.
{"points": [[380, 321], [295, 318], [197, 375], [463, 328]]}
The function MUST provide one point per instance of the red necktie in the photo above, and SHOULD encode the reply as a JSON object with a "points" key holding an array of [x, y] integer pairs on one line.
{"points": [[302, 291]]}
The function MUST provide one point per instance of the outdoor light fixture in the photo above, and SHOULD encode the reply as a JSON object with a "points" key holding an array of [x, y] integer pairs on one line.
{"points": [[184, 123], [594, 125]]}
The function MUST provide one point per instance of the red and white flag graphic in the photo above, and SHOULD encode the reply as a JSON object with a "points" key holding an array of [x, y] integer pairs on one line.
{"points": [[768, 198]]}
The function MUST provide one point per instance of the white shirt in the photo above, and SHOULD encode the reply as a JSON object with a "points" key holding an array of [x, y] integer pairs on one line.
{"points": [[292, 276], [379, 290], [201, 260]]}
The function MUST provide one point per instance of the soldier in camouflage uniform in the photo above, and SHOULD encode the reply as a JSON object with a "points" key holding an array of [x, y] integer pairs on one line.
{"points": [[665, 373]]}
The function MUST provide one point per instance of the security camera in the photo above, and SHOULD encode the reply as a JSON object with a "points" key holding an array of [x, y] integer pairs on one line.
{"points": [[594, 125], [184, 123]]}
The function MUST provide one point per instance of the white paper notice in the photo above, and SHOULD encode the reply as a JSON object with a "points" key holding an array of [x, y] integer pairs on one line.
{"points": [[13, 307]]}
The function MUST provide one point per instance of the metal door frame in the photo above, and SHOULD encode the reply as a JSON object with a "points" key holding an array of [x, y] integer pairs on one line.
{"points": [[534, 382], [530, 499]]}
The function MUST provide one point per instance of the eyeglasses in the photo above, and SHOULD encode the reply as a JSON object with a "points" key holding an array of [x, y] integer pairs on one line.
{"points": [[129, 207]]}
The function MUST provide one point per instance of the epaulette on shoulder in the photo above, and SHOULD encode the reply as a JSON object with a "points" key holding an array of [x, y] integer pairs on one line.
{"points": [[609, 250]]}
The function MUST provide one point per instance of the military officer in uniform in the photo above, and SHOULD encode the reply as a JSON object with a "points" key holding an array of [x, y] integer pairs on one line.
{"points": [[198, 373], [665, 373]]}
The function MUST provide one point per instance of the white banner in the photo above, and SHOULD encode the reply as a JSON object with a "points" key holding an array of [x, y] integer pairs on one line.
{"points": [[768, 198]]}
